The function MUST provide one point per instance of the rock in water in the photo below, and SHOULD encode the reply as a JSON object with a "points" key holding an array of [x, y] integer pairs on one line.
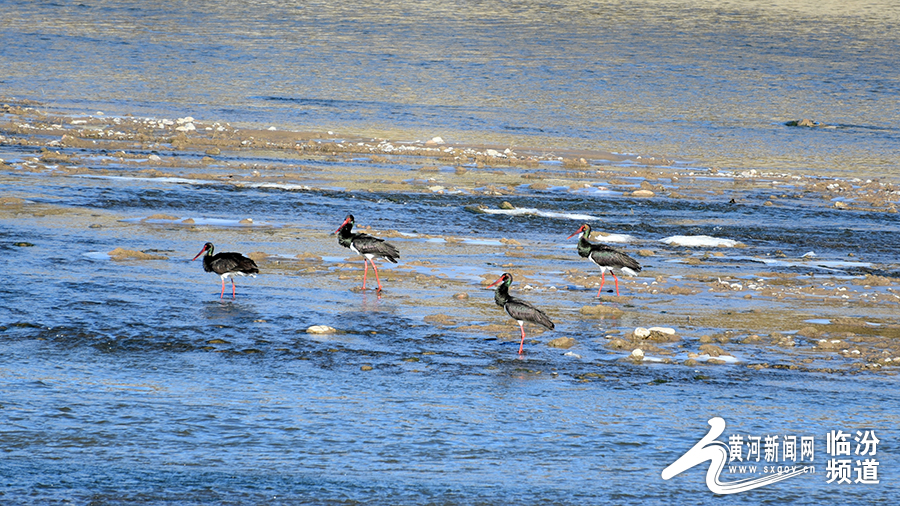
{"points": [[562, 342], [641, 333]]}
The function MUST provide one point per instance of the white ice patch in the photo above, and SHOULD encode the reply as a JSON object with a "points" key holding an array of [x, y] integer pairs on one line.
{"points": [[839, 264], [593, 190], [526, 211], [767, 261], [699, 241], [179, 180], [724, 358], [279, 186], [215, 222], [620, 238], [483, 242], [210, 182]]}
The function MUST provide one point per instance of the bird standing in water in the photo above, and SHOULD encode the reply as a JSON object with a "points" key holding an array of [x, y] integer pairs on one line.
{"points": [[227, 264], [367, 246], [518, 309], [608, 259]]}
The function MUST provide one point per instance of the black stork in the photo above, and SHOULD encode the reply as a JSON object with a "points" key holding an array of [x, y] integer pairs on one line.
{"points": [[227, 264], [608, 259], [367, 246], [518, 309]]}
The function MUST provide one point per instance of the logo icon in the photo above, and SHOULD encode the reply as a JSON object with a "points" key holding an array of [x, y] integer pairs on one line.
{"points": [[716, 452]]}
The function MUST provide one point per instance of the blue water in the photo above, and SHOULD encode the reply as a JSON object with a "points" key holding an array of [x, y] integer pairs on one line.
{"points": [[132, 382]]}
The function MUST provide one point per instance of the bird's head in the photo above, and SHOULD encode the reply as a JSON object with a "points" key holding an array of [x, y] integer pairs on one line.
{"points": [[207, 248], [347, 221], [506, 279], [584, 229]]}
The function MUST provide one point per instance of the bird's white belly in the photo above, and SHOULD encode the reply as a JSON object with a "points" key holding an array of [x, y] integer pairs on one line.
{"points": [[225, 276], [605, 268]]}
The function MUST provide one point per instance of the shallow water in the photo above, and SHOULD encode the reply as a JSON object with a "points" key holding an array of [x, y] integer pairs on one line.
{"points": [[130, 381]]}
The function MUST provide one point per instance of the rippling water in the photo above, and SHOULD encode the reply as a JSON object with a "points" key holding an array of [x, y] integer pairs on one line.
{"points": [[684, 79], [132, 382]]}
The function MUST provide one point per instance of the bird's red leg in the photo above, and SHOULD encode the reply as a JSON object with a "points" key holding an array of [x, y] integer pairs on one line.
{"points": [[602, 280], [617, 282], [232, 288], [376, 275], [522, 344], [365, 272], [223, 289]]}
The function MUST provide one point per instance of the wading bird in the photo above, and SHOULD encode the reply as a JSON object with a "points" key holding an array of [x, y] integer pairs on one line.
{"points": [[518, 309], [227, 264], [367, 246], [608, 259]]}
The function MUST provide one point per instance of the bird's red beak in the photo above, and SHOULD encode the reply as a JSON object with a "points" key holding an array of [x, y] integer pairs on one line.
{"points": [[342, 225], [580, 230], [495, 282], [198, 254]]}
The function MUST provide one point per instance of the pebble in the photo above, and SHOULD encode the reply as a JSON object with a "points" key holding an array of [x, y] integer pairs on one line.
{"points": [[641, 333], [637, 354]]}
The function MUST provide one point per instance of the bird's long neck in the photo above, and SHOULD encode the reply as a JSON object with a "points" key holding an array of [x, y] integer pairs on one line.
{"points": [[501, 295], [584, 246], [207, 261], [345, 236]]}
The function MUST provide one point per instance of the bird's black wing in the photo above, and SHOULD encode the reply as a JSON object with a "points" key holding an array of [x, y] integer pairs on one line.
{"points": [[523, 311], [367, 244], [233, 262], [604, 255]]}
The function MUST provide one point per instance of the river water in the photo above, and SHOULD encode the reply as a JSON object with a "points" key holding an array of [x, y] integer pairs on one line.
{"points": [[129, 381], [682, 79]]}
